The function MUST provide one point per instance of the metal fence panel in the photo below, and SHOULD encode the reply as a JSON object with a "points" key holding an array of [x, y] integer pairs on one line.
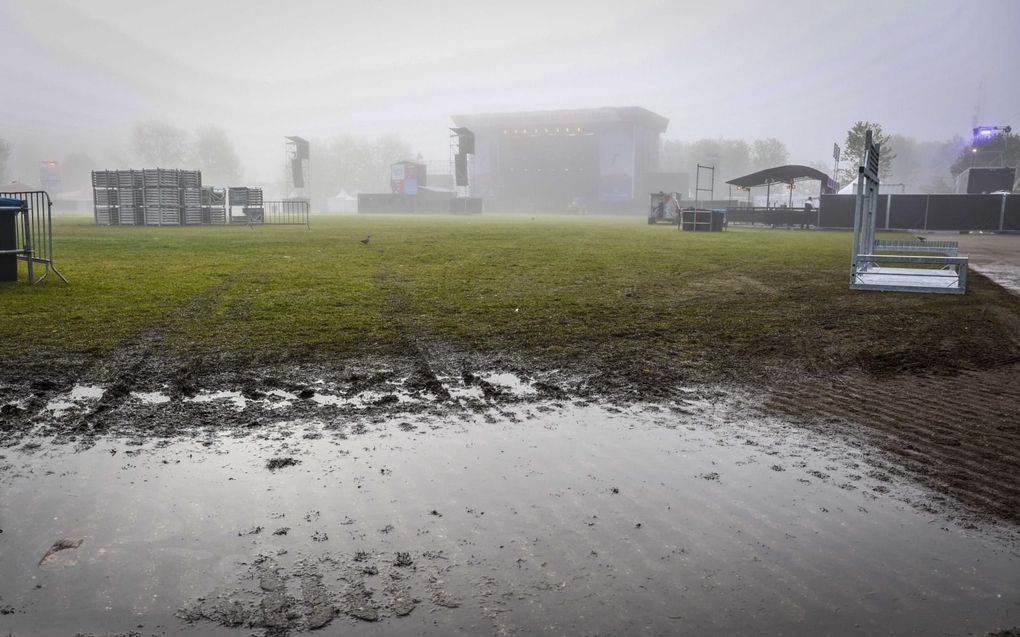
{"points": [[35, 233]]}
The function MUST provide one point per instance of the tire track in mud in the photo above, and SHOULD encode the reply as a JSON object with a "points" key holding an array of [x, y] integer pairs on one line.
{"points": [[958, 434], [420, 343], [122, 370]]}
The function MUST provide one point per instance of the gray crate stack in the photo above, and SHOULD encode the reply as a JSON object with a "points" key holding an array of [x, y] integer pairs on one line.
{"points": [[157, 197], [129, 195], [191, 197], [214, 205], [162, 197], [104, 196], [250, 200], [255, 203]]}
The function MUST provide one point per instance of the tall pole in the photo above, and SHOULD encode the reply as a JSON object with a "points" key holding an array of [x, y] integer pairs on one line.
{"points": [[835, 162]]}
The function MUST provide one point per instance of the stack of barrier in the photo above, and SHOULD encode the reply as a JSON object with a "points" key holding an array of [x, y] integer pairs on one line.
{"points": [[191, 196], [214, 205], [250, 201], [130, 198], [156, 197], [105, 197], [255, 207], [161, 196]]}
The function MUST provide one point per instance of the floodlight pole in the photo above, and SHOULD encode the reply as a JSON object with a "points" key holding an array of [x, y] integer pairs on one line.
{"points": [[979, 131]]}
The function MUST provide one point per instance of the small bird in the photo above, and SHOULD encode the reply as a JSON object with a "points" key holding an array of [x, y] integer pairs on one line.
{"points": [[364, 241], [920, 238]]}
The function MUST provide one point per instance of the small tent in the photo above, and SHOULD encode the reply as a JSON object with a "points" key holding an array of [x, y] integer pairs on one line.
{"points": [[342, 202]]}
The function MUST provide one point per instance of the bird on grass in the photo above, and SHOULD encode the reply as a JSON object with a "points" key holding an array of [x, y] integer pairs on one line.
{"points": [[364, 241]]}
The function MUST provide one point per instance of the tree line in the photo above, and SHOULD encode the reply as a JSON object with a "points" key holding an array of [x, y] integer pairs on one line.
{"points": [[731, 157], [361, 164]]}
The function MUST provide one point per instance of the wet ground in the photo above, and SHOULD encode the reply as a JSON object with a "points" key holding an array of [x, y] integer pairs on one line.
{"points": [[996, 256], [445, 495], [368, 511]]}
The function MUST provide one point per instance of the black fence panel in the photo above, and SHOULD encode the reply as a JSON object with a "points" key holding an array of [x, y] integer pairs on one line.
{"points": [[740, 215], [385, 202], [907, 212], [964, 212], [928, 212], [837, 211], [1011, 216]]}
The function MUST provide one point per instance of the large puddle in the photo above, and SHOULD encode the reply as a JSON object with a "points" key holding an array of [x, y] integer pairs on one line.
{"points": [[540, 518]]}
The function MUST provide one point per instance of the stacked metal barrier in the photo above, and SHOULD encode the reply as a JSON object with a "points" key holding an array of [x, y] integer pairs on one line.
{"points": [[214, 205], [251, 203], [130, 198], [191, 197], [105, 197], [161, 197], [156, 197]]}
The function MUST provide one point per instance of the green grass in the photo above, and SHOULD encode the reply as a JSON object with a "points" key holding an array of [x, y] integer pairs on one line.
{"points": [[614, 288]]}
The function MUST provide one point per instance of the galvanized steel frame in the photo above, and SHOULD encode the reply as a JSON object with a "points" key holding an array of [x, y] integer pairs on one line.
{"points": [[950, 272]]}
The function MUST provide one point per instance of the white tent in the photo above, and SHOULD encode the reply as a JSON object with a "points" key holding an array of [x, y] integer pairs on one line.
{"points": [[883, 189], [342, 202]]}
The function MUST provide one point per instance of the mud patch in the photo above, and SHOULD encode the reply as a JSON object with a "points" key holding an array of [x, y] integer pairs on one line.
{"points": [[518, 519]]}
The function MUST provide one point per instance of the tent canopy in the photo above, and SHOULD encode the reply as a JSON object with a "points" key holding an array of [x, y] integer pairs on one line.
{"points": [[784, 175]]}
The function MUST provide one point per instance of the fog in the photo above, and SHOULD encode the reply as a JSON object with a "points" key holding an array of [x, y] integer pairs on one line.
{"points": [[78, 74]]}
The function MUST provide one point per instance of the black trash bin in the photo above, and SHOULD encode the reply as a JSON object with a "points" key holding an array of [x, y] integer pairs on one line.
{"points": [[9, 209]]}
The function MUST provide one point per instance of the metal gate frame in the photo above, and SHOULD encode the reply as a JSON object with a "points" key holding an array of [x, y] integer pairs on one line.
{"points": [[948, 274], [35, 233]]}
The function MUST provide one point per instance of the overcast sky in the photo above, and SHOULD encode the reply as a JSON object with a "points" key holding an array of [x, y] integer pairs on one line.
{"points": [[77, 73]]}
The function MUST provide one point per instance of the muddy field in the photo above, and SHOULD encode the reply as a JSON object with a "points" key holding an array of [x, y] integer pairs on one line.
{"points": [[390, 498], [449, 492]]}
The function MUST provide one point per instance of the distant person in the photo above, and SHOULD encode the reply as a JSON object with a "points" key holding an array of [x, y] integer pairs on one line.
{"points": [[672, 206], [809, 207]]}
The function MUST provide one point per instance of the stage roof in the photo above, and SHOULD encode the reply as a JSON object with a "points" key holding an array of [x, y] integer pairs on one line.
{"points": [[581, 116], [781, 175]]}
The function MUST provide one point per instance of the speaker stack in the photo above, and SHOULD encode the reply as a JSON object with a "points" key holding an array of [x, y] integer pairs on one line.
{"points": [[298, 154], [465, 147]]}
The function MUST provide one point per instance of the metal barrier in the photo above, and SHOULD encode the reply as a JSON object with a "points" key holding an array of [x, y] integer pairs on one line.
{"points": [[944, 274], [35, 233], [286, 213], [885, 246], [272, 213], [755, 215]]}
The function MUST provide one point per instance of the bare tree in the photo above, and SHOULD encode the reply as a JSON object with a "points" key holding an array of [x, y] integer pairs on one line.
{"points": [[357, 164], [5, 154], [213, 153], [769, 153], [159, 144], [76, 171]]}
